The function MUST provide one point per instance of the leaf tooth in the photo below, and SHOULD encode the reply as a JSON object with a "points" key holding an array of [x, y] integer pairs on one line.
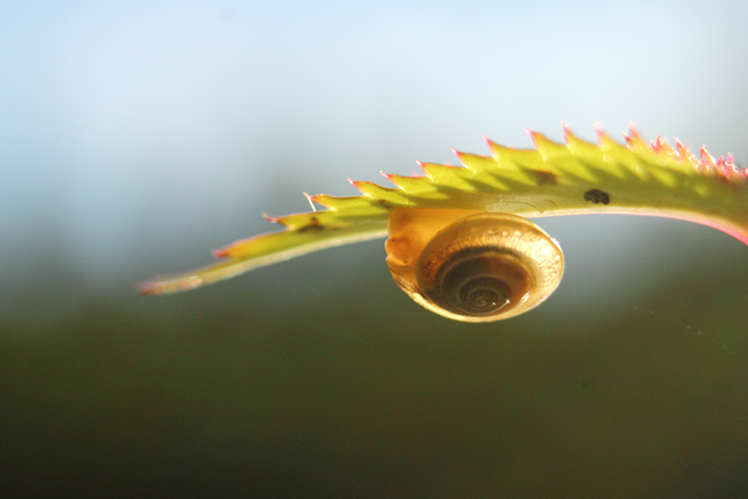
{"points": [[635, 142], [434, 170], [510, 158], [632, 129], [662, 161], [293, 221], [599, 131], [731, 171], [372, 190], [729, 161], [448, 175], [314, 198], [678, 158], [311, 202], [269, 218], [548, 149], [583, 150], [388, 176], [565, 130], [706, 162], [222, 252], [603, 140], [721, 165], [475, 162], [337, 202], [368, 189], [616, 153], [661, 147], [558, 159], [355, 184], [655, 155], [610, 146], [726, 167], [410, 185], [685, 155], [283, 220], [680, 148]]}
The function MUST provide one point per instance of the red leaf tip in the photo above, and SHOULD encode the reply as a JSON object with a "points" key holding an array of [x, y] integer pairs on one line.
{"points": [[566, 131], [657, 143], [220, 253], [355, 183], [533, 136], [599, 132], [682, 151]]}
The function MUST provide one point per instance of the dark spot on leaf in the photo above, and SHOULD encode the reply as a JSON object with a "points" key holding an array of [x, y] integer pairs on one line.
{"points": [[545, 178], [597, 196], [313, 225], [384, 204]]}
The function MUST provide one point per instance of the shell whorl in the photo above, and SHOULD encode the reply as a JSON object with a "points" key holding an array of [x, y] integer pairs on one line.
{"points": [[473, 267]]}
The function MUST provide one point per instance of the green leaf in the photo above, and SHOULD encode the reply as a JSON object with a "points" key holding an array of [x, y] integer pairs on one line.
{"points": [[577, 178]]}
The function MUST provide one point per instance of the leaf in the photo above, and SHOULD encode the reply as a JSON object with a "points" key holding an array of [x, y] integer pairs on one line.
{"points": [[577, 178]]}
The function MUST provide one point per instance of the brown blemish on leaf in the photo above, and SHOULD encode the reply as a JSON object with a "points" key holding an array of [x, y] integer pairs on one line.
{"points": [[545, 178], [313, 225]]}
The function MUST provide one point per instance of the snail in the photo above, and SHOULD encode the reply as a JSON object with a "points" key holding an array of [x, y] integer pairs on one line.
{"points": [[473, 267], [458, 240]]}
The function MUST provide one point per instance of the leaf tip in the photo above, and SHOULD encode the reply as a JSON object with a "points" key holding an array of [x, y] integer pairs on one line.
{"points": [[220, 252], [355, 183], [599, 132], [269, 218], [566, 131]]}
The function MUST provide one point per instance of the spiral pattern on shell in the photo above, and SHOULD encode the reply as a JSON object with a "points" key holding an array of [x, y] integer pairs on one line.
{"points": [[477, 268]]}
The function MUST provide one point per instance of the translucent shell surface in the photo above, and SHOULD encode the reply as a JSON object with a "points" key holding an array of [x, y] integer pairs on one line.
{"points": [[473, 267]]}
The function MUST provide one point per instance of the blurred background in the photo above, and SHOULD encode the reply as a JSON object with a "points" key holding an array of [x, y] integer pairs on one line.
{"points": [[137, 136]]}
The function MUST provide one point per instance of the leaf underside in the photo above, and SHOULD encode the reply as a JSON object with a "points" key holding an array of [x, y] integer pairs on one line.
{"points": [[552, 179]]}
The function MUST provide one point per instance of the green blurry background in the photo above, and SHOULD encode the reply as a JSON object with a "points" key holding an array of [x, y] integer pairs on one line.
{"points": [[137, 136]]}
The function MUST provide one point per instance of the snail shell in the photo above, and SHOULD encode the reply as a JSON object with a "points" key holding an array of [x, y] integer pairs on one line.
{"points": [[472, 266]]}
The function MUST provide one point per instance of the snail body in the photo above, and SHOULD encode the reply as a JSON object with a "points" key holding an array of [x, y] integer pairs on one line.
{"points": [[472, 266]]}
